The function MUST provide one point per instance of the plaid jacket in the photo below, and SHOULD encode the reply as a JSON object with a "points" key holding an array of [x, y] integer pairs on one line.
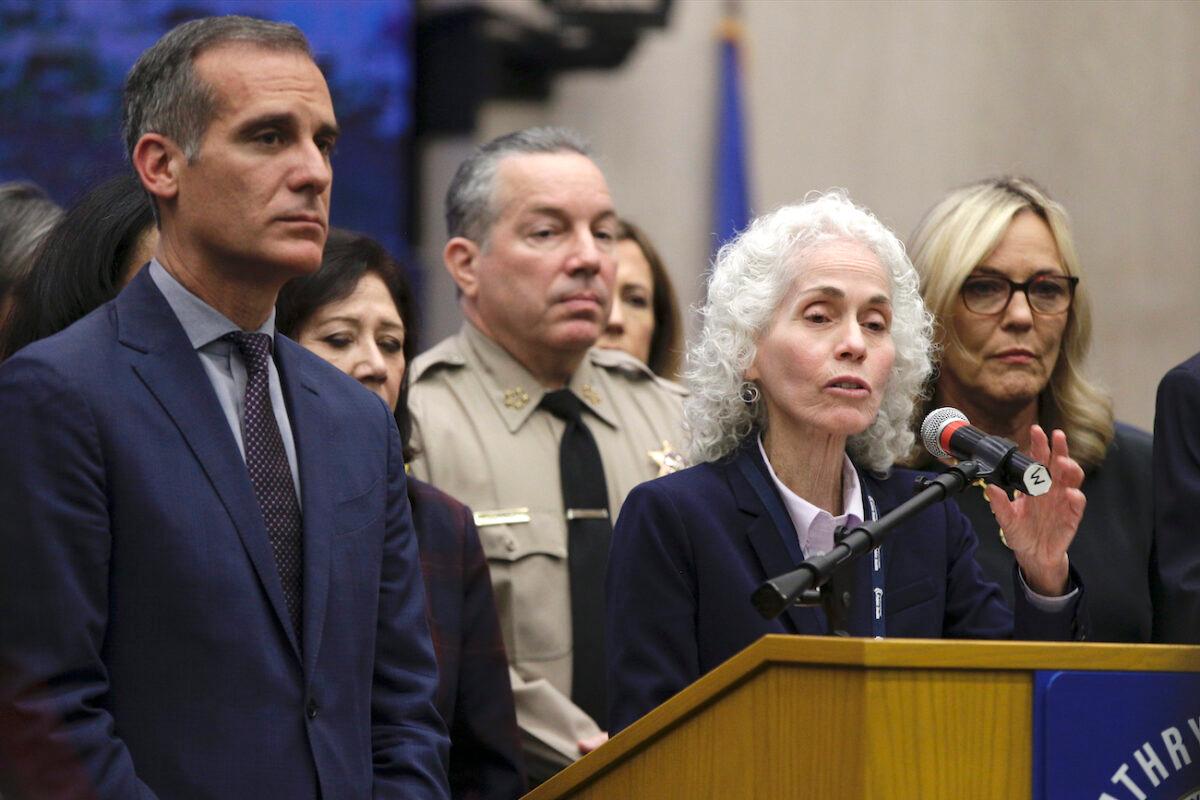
{"points": [[474, 695]]}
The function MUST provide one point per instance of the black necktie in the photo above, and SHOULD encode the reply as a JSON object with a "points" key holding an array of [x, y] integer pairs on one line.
{"points": [[589, 532], [270, 474]]}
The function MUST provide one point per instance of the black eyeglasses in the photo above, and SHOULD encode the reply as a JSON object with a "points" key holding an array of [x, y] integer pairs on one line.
{"points": [[1046, 294]]}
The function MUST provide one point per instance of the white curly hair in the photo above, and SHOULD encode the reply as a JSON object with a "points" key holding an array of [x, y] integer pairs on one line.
{"points": [[749, 281]]}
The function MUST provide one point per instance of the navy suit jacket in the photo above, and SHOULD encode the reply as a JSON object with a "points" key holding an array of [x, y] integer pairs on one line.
{"points": [[690, 548], [1175, 570], [144, 648], [474, 693]]}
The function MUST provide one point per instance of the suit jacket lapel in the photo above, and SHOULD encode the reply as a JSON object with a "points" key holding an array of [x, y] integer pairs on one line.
{"points": [[171, 370], [313, 444], [758, 498]]}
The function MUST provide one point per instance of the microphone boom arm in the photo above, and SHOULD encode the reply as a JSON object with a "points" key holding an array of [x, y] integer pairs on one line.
{"points": [[777, 594]]}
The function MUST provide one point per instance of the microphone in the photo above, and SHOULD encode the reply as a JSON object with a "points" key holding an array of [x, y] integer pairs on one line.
{"points": [[948, 434]]}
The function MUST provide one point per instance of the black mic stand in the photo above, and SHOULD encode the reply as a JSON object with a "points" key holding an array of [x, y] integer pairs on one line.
{"points": [[820, 580]]}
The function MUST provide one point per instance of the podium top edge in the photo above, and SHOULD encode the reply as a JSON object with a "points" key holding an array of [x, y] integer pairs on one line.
{"points": [[972, 654]]}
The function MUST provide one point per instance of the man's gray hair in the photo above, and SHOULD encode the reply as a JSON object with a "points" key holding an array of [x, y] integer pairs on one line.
{"points": [[164, 95], [470, 211], [751, 278]]}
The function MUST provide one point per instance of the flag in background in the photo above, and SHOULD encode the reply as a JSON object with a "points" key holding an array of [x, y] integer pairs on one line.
{"points": [[731, 195]]}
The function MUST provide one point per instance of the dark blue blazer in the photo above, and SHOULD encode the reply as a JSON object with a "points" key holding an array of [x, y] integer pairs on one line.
{"points": [[144, 642], [1175, 568], [474, 693], [690, 548]]}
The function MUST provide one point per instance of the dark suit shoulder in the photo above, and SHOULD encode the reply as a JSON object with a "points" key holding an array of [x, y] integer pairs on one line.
{"points": [[1188, 371], [1125, 473], [699, 479], [1131, 442], [1178, 391], [683, 504], [1175, 405], [79, 346], [70, 369]]}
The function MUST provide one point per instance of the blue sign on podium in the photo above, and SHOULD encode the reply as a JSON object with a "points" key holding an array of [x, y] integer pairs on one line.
{"points": [[1116, 736]]}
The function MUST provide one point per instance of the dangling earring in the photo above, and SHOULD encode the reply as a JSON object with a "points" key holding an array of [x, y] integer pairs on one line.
{"points": [[749, 393]]}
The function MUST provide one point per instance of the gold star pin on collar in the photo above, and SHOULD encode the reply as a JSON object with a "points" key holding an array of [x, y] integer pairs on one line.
{"points": [[668, 459], [590, 394], [516, 399]]}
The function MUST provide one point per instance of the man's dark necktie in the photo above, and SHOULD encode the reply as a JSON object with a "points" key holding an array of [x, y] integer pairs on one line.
{"points": [[270, 474], [589, 533]]}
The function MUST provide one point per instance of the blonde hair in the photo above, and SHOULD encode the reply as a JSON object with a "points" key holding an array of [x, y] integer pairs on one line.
{"points": [[954, 238], [750, 279]]}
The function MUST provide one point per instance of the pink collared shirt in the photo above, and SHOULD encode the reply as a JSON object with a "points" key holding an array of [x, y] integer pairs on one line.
{"points": [[815, 526]]}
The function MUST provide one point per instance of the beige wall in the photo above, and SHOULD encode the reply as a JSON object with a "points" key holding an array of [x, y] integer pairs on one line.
{"points": [[898, 102]]}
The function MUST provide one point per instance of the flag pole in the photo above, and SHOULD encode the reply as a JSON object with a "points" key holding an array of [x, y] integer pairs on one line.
{"points": [[731, 204]]}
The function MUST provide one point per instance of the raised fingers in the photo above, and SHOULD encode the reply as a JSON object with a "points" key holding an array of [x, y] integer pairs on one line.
{"points": [[1039, 446], [1062, 467], [1002, 507]]}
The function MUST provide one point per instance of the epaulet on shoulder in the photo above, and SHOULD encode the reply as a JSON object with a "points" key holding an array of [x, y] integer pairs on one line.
{"points": [[622, 362], [445, 353]]}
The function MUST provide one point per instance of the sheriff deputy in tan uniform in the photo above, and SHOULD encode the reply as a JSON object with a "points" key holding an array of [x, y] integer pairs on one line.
{"points": [[532, 249]]}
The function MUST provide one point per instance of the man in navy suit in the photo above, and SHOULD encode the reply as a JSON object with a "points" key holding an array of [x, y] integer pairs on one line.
{"points": [[1176, 569], [208, 571]]}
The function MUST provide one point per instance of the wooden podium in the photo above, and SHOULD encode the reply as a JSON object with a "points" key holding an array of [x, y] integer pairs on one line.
{"points": [[816, 717]]}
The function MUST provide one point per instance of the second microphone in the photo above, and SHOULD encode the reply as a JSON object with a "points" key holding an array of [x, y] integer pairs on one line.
{"points": [[947, 433]]}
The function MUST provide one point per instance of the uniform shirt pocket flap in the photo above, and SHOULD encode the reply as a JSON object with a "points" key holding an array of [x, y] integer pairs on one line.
{"points": [[516, 541]]}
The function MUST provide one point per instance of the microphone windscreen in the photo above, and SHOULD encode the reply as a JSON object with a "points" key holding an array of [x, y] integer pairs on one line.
{"points": [[931, 429]]}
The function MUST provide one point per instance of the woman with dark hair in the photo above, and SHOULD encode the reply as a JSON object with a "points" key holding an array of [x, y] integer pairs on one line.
{"points": [[357, 274], [85, 260], [357, 312], [644, 320]]}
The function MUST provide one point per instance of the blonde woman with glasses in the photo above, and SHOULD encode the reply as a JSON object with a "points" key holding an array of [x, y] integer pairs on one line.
{"points": [[1001, 276]]}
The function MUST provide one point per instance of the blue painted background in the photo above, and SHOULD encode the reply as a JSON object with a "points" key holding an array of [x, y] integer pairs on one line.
{"points": [[62, 63]]}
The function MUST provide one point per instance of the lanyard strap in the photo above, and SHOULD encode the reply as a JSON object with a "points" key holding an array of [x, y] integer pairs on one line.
{"points": [[878, 626], [787, 531]]}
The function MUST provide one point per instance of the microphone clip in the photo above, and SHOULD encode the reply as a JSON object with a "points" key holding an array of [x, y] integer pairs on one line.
{"points": [[832, 594], [955, 478]]}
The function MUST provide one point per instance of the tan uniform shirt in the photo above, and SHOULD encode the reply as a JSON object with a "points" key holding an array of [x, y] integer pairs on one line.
{"points": [[483, 439]]}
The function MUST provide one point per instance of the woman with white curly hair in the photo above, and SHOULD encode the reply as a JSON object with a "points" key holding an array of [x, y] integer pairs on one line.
{"points": [[814, 349]]}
